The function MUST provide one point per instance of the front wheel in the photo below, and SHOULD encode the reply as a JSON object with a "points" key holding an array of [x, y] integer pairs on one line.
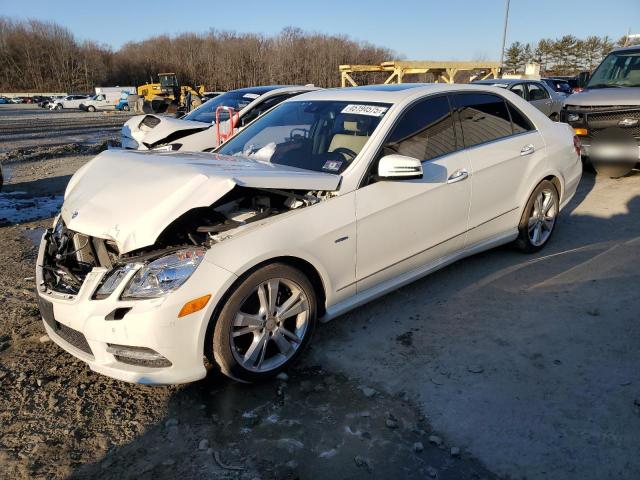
{"points": [[538, 218], [265, 324], [58, 107]]}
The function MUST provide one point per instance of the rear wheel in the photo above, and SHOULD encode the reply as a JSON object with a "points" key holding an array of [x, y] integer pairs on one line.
{"points": [[91, 108], [265, 324], [538, 218], [58, 107]]}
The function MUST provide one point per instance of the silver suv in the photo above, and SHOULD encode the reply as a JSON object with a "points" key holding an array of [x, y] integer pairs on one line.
{"points": [[606, 115]]}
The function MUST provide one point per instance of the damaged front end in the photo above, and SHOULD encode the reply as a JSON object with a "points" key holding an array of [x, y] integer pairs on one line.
{"points": [[69, 257], [157, 269]]}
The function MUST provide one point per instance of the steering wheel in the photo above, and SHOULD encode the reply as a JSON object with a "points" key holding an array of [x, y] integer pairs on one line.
{"points": [[347, 152]]}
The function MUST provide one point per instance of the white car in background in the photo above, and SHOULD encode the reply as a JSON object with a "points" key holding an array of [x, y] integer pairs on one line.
{"points": [[199, 130], [70, 101], [328, 201], [537, 92]]}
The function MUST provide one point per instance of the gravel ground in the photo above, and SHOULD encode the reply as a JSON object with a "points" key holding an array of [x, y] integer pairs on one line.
{"points": [[60, 420], [26, 126]]}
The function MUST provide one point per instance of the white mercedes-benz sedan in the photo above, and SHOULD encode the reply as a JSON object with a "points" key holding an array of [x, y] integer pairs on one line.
{"points": [[162, 263]]}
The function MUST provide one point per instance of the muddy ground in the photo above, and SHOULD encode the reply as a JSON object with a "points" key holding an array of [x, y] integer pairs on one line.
{"points": [[499, 366]]}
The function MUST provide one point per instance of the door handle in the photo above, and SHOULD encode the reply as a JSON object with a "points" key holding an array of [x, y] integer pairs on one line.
{"points": [[527, 150], [458, 176]]}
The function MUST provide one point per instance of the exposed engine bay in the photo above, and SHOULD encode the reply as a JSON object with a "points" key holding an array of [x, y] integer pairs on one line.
{"points": [[69, 256]]}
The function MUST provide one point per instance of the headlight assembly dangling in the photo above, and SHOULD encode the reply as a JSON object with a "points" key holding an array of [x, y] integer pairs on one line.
{"points": [[164, 274]]}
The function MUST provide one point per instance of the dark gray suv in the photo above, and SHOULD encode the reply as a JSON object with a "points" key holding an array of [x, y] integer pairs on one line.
{"points": [[607, 113]]}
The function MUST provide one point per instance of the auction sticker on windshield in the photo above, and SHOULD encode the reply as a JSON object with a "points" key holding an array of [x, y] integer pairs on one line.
{"points": [[372, 110], [332, 165]]}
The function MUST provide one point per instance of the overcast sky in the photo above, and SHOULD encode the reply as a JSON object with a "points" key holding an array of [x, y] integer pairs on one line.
{"points": [[417, 29]]}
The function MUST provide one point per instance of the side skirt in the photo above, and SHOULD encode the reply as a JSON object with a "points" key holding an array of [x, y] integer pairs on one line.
{"points": [[408, 277]]}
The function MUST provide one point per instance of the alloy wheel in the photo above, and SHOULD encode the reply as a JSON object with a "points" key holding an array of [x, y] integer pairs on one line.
{"points": [[270, 325], [543, 217]]}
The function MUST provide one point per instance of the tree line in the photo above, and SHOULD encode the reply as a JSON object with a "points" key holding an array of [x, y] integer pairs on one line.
{"points": [[566, 55], [44, 56]]}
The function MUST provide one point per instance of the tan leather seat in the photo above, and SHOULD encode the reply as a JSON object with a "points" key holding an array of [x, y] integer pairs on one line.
{"points": [[353, 142]]}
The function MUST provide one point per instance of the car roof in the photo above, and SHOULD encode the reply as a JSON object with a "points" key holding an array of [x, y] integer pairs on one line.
{"points": [[631, 49], [262, 89], [389, 94], [505, 81]]}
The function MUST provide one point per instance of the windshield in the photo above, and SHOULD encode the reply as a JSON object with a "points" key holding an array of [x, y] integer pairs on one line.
{"points": [[619, 69], [323, 136], [168, 80], [207, 111]]}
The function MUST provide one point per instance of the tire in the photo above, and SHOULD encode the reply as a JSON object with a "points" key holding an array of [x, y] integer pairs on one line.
{"points": [[125, 108], [613, 169], [538, 218], [91, 108], [251, 345], [58, 107]]}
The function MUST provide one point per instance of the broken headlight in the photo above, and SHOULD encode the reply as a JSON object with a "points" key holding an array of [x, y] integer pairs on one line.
{"points": [[112, 280], [164, 274]]}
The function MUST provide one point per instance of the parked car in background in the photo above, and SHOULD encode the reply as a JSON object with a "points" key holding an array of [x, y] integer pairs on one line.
{"points": [[606, 114], [70, 101], [15, 99], [102, 101], [4, 100], [328, 201], [51, 100], [538, 93], [199, 130], [559, 85], [44, 101]]}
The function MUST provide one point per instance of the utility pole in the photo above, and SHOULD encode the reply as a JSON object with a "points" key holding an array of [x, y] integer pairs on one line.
{"points": [[504, 31]]}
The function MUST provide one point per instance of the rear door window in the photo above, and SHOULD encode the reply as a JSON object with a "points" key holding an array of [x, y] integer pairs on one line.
{"points": [[537, 92], [520, 121], [483, 116], [518, 89], [425, 131]]}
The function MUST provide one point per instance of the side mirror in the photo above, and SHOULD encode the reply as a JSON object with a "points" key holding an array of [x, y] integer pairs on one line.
{"points": [[399, 167]]}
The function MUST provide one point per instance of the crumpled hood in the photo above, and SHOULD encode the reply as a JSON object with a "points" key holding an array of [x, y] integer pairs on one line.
{"points": [[604, 97], [166, 126], [130, 197]]}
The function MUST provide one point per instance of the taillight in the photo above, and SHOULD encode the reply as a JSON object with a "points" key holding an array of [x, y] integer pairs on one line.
{"points": [[577, 144]]}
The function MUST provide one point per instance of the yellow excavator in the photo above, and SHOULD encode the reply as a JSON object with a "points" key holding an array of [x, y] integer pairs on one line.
{"points": [[168, 95]]}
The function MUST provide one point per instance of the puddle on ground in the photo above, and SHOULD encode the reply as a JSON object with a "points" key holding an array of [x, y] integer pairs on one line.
{"points": [[34, 235], [14, 208]]}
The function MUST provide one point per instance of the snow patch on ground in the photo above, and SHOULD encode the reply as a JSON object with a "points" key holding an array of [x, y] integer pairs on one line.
{"points": [[14, 209]]}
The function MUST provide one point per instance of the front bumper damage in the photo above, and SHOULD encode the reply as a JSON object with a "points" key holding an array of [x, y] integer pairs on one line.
{"points": [[140, 341]]}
